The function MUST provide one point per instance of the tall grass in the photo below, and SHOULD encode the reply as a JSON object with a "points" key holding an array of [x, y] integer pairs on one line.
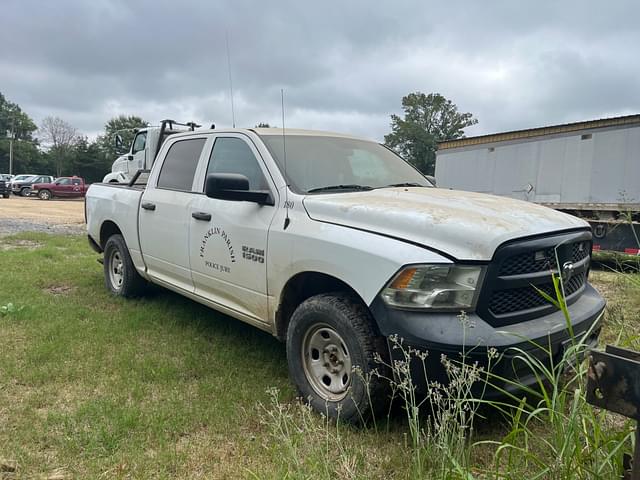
{"points": [[546, 432]]}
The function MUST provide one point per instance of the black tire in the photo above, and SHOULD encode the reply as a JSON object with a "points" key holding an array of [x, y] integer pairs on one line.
{"points": [[348, 323], [44, 195], [6, 195], [126, 283], [25, 192]]}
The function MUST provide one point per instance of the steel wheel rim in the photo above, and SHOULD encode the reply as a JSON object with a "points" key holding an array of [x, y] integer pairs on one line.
{"points": [[326, 362], [116, 267]]}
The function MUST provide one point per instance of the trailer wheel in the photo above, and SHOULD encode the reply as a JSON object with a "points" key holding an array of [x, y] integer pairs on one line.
{"points": [[332, 347], [120, 276]]}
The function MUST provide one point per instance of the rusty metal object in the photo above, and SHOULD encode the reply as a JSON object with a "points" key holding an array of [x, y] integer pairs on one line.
{"points": [[613, 383]]}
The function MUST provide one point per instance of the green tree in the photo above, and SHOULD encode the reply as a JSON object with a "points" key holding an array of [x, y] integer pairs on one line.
{"points": [[123, 125], [17, 128], [428, 119], [89, 161]]}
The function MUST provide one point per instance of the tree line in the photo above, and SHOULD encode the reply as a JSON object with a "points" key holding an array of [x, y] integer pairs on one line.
{"points": [[57, 148]]}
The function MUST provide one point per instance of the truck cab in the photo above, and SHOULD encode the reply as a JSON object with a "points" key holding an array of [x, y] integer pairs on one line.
{"points": [[142, 151]]}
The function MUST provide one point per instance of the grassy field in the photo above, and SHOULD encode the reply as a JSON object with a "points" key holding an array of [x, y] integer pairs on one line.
{"points": [[92, 386]]}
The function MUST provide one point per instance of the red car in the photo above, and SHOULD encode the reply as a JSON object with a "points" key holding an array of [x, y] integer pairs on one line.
{"points": [[62, 187]]}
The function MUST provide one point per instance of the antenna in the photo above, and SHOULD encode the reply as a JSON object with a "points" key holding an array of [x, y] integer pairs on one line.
{"points": [[233, 113], [284, 155]]}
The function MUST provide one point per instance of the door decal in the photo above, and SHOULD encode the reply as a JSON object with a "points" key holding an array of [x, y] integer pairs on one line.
{"points": [[223, 243]]}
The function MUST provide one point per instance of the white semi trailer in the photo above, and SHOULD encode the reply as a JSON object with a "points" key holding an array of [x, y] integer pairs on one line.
{"points": [[589, 169]]}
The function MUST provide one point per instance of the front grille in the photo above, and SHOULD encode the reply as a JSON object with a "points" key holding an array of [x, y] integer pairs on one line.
{"points": [[519, 299], [541, 260], [521, 270]]}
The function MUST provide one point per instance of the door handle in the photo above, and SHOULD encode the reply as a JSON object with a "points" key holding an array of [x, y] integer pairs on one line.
{"points": [[148, 206], [201, 216]]}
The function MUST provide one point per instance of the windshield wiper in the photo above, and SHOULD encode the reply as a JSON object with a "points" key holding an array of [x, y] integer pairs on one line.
{"points": [[404, 184], [340, 187]]}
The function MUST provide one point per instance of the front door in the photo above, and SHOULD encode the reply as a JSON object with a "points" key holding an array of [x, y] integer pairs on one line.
{"points": [[229, 238], [165, 214], [63, 187]]}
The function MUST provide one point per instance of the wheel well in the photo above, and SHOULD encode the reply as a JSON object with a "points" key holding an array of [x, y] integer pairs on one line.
{"points": [[107, 229], [300, 287]]}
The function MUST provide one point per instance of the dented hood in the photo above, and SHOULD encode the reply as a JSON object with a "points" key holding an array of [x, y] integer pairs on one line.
{"points": [[465, 225]]}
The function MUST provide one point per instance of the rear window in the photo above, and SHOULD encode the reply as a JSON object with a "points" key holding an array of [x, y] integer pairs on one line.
{"points": [[180, 165]]}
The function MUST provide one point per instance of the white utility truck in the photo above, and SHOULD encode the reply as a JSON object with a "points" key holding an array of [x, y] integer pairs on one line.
{"points": [[333, 244], [143, 150]]}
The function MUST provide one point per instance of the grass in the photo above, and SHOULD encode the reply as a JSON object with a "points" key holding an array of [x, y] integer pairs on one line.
{"points": [[92, 386]]}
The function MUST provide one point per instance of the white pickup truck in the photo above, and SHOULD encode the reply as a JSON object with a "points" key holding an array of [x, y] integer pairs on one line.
{"points": [[333, 244]]}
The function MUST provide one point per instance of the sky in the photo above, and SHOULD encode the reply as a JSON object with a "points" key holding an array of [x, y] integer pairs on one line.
{"points": [[344, 65]]}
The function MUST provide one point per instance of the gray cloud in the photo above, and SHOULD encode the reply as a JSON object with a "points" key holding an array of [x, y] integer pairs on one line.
{"points": [[344, 65]]}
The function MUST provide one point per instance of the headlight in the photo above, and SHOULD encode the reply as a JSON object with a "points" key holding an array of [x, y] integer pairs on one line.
{"points": [[452, 287]]}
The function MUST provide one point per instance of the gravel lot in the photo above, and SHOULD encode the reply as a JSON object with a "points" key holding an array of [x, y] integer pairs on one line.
{"points": [[19, 214]]}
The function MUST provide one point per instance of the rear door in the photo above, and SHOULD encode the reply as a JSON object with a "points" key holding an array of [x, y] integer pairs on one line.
{"points": [[229, 238], [165, 214]]}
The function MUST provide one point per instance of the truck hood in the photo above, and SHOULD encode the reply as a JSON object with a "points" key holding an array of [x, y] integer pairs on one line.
{"points": [[464, 225]]}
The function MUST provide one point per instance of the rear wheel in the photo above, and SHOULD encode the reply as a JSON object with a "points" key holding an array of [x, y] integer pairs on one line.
{"points": [[120, 276], [44, 195], [332, 347]]}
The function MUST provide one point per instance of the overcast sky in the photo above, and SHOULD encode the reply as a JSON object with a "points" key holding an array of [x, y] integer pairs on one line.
{"points": [[344, 65]]}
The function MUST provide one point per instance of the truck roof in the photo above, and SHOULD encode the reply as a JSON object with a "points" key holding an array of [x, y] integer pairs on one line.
{"points": [[625, 121]]}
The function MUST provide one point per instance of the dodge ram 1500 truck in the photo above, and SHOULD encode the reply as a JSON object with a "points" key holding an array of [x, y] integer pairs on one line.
{"points": [[334, 244]]}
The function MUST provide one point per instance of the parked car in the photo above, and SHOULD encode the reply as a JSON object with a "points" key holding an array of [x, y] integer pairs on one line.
{"points": [[23, 186], [343, 250], [68, 187], [5, 189], [6, 177]]}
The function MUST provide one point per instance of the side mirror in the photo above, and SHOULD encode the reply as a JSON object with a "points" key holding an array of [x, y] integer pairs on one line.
{"points": [[129, 157], [119, 142], [233, 186]]}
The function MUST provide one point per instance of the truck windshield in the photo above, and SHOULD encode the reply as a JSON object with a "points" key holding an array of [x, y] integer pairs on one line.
{"points": [[317, 164]]}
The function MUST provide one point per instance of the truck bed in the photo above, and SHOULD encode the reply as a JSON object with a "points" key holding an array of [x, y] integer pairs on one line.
{"points": [[106, 201]]}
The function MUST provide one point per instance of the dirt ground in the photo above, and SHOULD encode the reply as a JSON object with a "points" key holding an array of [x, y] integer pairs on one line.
{"points": [[32, 214]]}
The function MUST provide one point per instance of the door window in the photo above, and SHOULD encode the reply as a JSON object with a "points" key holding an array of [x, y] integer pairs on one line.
{"points": [[233, 155], [180, 165], [139, 142], [64, 181]]}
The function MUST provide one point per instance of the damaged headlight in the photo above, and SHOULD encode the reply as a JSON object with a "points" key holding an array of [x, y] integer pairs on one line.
{"points": [[449, 287]]}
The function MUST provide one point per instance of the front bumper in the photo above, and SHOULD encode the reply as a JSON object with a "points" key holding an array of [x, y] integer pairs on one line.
{"points": [[437, 334]]}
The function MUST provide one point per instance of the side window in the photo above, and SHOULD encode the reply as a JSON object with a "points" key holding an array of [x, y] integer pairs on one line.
{"points": [[64, 181], [233, 155], [180, 165], [139, 142], [76, 181]]}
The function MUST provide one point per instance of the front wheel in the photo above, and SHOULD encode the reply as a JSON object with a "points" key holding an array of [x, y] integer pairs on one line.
{"points": [[25, 192], [120, 276], [332, 351], [44, 195]]}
